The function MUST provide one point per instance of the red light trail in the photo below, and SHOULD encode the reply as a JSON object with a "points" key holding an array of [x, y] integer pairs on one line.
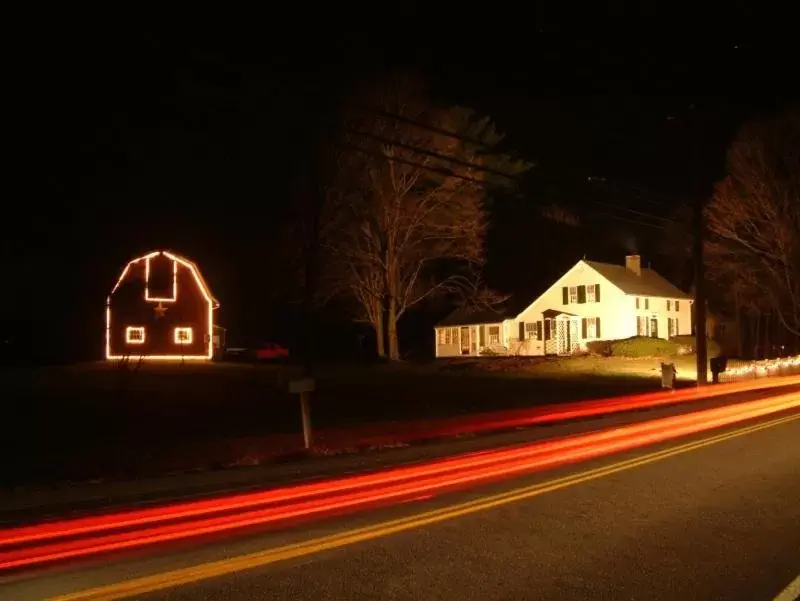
{"points": [[31, 545], [515, 418]]}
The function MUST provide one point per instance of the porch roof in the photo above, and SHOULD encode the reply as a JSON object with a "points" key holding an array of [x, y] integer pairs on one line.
{"points": [[550, 313]]}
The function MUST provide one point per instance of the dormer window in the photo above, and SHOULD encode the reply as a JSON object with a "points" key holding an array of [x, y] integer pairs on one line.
{"points": [[183, 335]]}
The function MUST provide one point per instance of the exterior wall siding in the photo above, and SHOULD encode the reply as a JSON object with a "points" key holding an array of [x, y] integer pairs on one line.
{"points": [[607, 308], [571, 302]]}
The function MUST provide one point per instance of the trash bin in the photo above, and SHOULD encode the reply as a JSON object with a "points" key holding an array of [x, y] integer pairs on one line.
{"points": [[668, 375], [718, 365]]}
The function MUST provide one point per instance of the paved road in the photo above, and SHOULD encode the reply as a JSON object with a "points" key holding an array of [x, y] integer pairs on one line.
{"points": [[718, 522]]}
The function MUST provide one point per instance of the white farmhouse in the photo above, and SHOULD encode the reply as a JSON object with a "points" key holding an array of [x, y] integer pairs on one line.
{"points": [[591, 301]]}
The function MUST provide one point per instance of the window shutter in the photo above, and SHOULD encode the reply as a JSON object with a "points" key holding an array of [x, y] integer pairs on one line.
{"points": [[677, 331], [538, 330], [522, 330], [637, 302], [647, 304], [584, 330], [565, 295], [677, 305], [482, 335], [597, 293], [547, 329], [581, 294], [597, 327]]}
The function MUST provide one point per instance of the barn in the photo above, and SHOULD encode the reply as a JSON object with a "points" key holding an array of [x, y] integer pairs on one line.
{"points": [[160, 309]]}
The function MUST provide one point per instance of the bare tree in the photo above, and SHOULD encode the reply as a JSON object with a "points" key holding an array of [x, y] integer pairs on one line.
{"points": [[754, 219], [408, 223]]}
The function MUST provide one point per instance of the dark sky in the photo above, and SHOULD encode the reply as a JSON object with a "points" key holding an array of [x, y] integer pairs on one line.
{"points": [[159, 138]]}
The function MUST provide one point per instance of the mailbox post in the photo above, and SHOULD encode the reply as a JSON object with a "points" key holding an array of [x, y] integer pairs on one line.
{"points": [[303, 387]]}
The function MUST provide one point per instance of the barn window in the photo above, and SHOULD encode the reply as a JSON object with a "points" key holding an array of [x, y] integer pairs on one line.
{"points": [[134, 335], [183, 335]]}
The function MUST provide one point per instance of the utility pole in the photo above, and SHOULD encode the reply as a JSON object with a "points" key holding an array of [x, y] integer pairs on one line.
{"points": [[700, 294]]}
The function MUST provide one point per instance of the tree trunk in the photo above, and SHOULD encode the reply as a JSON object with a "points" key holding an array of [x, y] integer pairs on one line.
{"points": [[756, 335], [380, 337], [391, 325]]}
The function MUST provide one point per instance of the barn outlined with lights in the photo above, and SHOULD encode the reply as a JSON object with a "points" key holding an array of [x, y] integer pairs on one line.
{"points": [[160, 309]]}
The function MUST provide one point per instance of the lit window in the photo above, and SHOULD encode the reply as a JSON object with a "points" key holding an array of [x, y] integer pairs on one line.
{"points": [[134, 335], [591, 295], [591, 328], [573, 294], [183, 335], [442, 333], [494, 335]]}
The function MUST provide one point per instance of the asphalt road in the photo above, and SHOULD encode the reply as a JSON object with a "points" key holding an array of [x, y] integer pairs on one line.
{"points": [[719, 522]]}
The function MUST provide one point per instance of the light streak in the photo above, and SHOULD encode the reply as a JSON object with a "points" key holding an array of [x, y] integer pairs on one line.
{"points": [[87, 536]]}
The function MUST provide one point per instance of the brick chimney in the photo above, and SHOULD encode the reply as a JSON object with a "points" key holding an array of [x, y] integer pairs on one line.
{"points": [[634, 263]]}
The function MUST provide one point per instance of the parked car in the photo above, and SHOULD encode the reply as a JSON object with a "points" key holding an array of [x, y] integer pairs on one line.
{"points": [[271, 351]]}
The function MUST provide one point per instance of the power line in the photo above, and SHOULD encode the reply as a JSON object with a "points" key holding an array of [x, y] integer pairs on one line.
{"points": [[639, 213], [430, 153], [626, 220], [441, 170]]}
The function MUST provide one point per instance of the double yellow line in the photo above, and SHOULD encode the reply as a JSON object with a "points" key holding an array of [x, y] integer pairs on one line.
{"points": [[155, 582]]}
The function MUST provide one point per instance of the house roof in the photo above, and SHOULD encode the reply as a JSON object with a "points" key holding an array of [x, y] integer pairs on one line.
{"points": [[464, 316], [649, 283]]}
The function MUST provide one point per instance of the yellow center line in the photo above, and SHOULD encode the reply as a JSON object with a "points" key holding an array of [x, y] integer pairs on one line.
{"points": [[170, 579]]}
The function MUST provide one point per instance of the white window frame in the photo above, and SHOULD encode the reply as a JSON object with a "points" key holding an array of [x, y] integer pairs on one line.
{"points": [[591, 328], [573, 295], [493, 335], [130, 333], [530, 330], [591, 296], [179, 331]]}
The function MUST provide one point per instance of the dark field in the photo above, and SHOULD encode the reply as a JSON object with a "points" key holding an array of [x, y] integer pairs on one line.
{"points": [[97, 421]]}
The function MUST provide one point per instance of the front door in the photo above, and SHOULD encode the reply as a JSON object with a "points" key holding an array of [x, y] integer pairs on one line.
{"points": [[574, 334], [465, 341], [654, 327]]}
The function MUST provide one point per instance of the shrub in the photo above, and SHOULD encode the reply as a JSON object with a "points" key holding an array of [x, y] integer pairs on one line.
{"points": [[688, 345], [599, 347], [643, 346]]}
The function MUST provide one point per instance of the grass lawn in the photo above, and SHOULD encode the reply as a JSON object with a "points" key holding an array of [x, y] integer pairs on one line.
{"points": [[98, 421]]}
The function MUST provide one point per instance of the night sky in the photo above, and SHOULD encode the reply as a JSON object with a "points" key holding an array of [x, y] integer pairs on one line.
{"points": [[160, 138]]}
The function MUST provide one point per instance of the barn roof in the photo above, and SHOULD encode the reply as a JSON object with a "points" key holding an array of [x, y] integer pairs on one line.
{"points": [[175, 257], [196, 271]]}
